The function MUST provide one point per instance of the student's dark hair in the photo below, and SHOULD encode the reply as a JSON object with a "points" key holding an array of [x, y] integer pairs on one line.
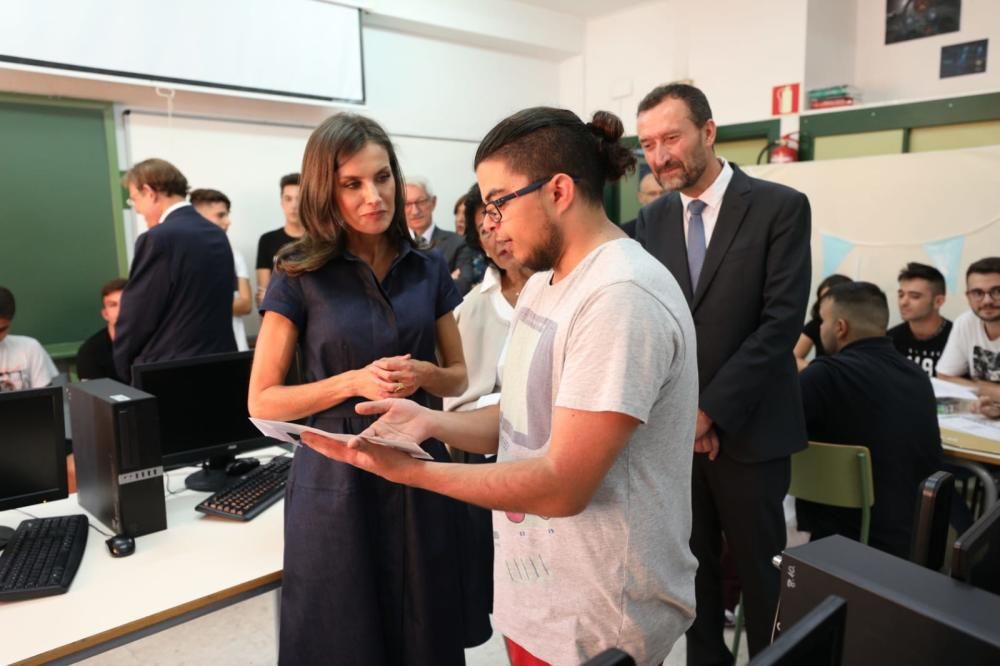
{"points": [[829, 282], [543, 141], [983, 266], [914, 271], [206, 196], [697, 104], [861, 303], [7, 304], [473, 200], [289, 179], [112, 286], [160, 175], [337, 140], [458, 202]]}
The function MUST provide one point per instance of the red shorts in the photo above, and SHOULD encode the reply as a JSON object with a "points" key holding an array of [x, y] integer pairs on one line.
{"points": [[520, 657]]}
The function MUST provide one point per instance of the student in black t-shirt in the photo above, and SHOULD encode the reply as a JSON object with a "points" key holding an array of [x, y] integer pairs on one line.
{"points": [[95, 359], [272, 241], [923, 334], [863, 392], [810, 332]]}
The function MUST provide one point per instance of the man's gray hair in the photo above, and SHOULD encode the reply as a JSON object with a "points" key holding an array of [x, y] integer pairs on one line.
{"points": [[422, 183]]}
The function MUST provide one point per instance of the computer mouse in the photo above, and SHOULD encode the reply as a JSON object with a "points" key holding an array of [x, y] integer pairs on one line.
{"points": [[121, 545], [241, 466]]}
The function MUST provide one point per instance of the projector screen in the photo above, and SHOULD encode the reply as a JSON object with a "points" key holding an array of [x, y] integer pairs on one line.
{"points": [[295, 48]]}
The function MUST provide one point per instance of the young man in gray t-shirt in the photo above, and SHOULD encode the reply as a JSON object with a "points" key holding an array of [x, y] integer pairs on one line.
{"points": [[591, 491]]}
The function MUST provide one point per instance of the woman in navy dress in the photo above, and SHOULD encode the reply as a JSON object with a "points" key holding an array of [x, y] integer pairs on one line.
{"points": [[368, 564]]}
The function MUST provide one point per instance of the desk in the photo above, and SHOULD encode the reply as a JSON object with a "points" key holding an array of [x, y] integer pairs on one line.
{"points": [[197, 565], [972, 451]]}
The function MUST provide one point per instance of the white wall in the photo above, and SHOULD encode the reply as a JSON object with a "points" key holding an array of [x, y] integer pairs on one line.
{"points": [[909, 70], [735, 51]]}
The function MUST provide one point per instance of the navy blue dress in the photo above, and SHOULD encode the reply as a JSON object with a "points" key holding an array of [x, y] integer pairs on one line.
{"points": [[368, 564]]}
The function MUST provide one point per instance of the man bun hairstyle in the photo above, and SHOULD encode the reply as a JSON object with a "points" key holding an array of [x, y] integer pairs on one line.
{"points": [[543, 141]]}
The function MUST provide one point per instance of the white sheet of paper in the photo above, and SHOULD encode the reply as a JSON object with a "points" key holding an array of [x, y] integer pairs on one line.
{"points": [[943, 389], [972, 424], [291, 432]]}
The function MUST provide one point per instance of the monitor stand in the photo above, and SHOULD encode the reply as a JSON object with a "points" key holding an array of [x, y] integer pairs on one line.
{"points": [[5, 534], [212, 476]]}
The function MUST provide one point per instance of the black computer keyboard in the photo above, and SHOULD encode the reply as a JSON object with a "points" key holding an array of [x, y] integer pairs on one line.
{"points": [[42, 557], [254, 492]]}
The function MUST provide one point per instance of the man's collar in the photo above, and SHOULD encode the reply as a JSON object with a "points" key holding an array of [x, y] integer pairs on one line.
{"points": [[713, 195], [167, 212]]}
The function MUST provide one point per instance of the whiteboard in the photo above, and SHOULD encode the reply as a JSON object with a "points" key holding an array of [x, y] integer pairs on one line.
{"points": [[246, 161], [299, 48]]}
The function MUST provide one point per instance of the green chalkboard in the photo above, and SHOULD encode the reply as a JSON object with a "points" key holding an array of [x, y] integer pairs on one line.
{"points": [[61, 230]]}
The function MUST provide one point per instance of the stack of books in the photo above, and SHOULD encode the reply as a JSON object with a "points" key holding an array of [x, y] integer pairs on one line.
{"points": [[833, 96]]}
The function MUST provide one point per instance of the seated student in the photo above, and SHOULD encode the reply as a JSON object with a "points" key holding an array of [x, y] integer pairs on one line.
{"points": [[864, 392], [96, 359], [214, 206], [24, 363], [810, 332], [922, 335], [972, 355]]}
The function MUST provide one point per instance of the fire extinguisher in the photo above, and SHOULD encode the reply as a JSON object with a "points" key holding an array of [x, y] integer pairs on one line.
{"points": [[785, 149]]}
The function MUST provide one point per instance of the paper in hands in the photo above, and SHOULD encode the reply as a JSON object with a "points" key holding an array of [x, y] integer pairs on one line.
{"points": [[292, 432]]}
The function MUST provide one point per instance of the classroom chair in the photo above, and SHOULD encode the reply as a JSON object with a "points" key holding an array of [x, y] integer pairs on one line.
{"points": [[931, 520], [834, 474]]}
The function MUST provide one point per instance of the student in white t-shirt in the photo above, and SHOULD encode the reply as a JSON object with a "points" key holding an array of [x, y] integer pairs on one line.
{"points": [[24, 363], [592, 487], [214, 206], [972, 355]]}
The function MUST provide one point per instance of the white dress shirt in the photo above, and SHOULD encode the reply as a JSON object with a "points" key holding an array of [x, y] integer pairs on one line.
{"points": [[713, 202]]}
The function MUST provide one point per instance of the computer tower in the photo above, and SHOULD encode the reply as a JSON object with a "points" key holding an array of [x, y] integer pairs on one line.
{"points": [[897, 612], [119, 468]]}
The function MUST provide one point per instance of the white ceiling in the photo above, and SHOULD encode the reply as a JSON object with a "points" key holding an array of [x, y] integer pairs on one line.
{"points": [[584, 8]]}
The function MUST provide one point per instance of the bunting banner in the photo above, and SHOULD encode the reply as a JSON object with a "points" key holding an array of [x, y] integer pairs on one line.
{"points": [[835, 250], [947, 257]]}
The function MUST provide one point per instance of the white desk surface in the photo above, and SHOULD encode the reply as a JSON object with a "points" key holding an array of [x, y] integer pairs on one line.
{"points": [[199, 563]]}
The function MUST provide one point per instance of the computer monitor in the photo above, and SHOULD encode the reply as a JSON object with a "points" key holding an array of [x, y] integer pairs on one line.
{"points": [[816, 639], [975, 557], [32, 449], [203, 413]]}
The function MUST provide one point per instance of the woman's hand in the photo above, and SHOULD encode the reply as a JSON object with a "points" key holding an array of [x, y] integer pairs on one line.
{"points": [[399, 376]]}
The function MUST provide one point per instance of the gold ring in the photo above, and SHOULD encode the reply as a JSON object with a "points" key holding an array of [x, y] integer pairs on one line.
{"points": [[399, 387]]}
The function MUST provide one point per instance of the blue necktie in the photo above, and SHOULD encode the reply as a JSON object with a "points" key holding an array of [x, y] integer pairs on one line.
{"points": [[696, 241]]}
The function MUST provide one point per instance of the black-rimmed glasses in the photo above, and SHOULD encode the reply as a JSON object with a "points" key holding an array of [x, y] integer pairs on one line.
{"points": [[980, 294], [491, 209]]}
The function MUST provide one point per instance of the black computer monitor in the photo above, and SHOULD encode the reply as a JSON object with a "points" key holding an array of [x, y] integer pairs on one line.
{"points": [[975, 557], [32, 449], [203, 413], [817, 639]]}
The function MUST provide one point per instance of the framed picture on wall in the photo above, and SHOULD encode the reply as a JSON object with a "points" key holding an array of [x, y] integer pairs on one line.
{"points": [[913, 19], [967, 58]]}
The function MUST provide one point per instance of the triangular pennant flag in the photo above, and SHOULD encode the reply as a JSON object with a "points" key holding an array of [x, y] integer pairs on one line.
{"points": [[835, 250], [947, 257]]}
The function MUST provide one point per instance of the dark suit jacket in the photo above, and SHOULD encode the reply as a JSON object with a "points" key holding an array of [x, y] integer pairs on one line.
{"points": [[179, 299], [748, 310], [458, 255]]}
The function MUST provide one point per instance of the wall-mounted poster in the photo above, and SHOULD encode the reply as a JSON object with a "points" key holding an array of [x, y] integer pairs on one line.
{"points": [[913, 19], [967, 58]]}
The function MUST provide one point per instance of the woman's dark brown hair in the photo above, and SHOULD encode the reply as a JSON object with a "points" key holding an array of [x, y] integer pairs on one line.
{"points": [[337, 140]]}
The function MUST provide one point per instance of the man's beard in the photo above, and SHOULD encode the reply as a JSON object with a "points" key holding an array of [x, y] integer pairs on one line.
{"points": [[544, 257], [688, 176]]}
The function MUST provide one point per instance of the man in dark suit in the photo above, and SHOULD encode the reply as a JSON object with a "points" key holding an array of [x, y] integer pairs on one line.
{"points": [[179, 298], [739, 247], [465, 263]]}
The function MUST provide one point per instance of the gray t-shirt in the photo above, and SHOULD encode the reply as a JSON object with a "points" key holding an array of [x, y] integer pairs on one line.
{"points": [[614, 335]]}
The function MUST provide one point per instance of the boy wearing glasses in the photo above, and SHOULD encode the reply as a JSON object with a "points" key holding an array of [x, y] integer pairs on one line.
{"points": [[972, 355]]}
